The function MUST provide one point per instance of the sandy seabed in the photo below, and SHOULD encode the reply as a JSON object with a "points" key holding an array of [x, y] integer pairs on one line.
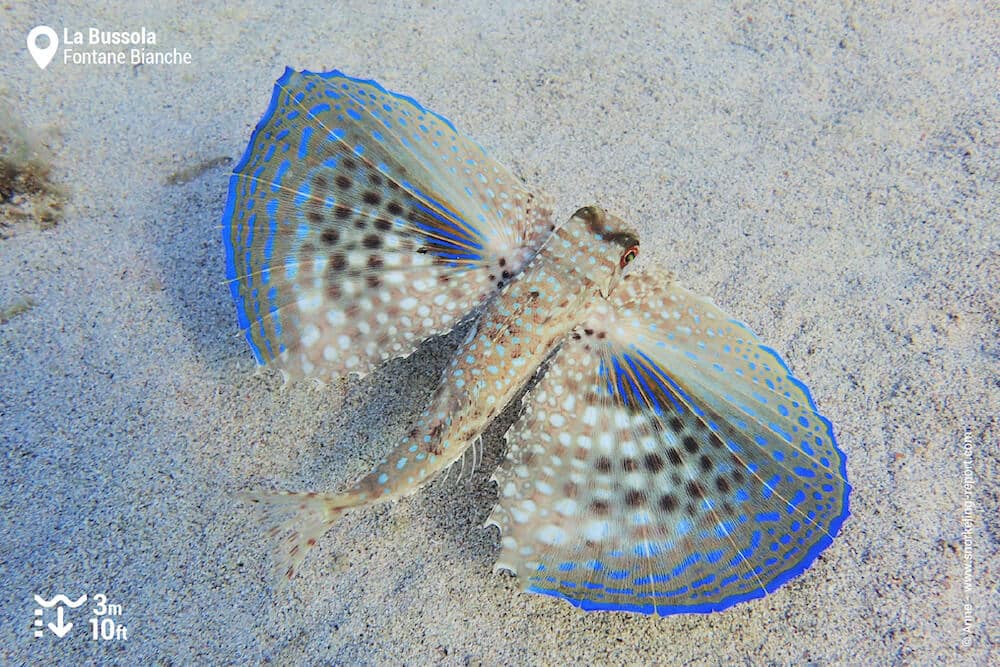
{"points": [[828, 174]]}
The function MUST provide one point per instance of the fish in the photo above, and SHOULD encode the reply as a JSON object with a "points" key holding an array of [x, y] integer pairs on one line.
{"points": [[664, 460]]}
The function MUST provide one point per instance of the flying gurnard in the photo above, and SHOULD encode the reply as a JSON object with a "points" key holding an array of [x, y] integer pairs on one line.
{"points": [[664, 462]]}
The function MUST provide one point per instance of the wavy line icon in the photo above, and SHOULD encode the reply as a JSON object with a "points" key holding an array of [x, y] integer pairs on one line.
{"points": [[60, 599]]}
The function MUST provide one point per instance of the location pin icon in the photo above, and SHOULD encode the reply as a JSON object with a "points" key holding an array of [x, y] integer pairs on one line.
{"points": [[42, 56]]}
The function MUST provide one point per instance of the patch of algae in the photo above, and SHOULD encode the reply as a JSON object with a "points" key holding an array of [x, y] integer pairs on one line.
{"points": [[26, 191], [12, 310]]}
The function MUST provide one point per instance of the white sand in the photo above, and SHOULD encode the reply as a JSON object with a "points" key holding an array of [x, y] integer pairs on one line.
{"points": [[830, 176]]}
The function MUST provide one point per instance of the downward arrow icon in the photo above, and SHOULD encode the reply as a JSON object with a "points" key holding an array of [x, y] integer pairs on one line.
{"points": [[57, 628]]}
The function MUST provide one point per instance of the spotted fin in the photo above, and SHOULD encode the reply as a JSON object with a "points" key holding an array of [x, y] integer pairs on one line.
{"points": [[359, 224], [667, 462], [296, 521]]}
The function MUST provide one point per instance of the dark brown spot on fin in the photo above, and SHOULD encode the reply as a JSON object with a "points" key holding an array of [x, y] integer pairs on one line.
{"points": [[668, 503], [600, 507], [635, 498], [695, 489], [654, 463]]}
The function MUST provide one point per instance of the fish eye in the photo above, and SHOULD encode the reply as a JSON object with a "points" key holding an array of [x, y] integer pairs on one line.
{"points": [[629, 256]]}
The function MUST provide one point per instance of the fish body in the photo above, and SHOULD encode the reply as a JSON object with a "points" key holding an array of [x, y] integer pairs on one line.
{"points": [[665, 461]]}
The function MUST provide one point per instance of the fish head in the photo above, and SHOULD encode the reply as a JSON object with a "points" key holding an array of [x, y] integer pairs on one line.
{"points": [[601, 247]]}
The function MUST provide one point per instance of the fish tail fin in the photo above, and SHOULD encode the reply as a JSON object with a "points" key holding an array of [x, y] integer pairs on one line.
{"points": [[297, 521]]}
